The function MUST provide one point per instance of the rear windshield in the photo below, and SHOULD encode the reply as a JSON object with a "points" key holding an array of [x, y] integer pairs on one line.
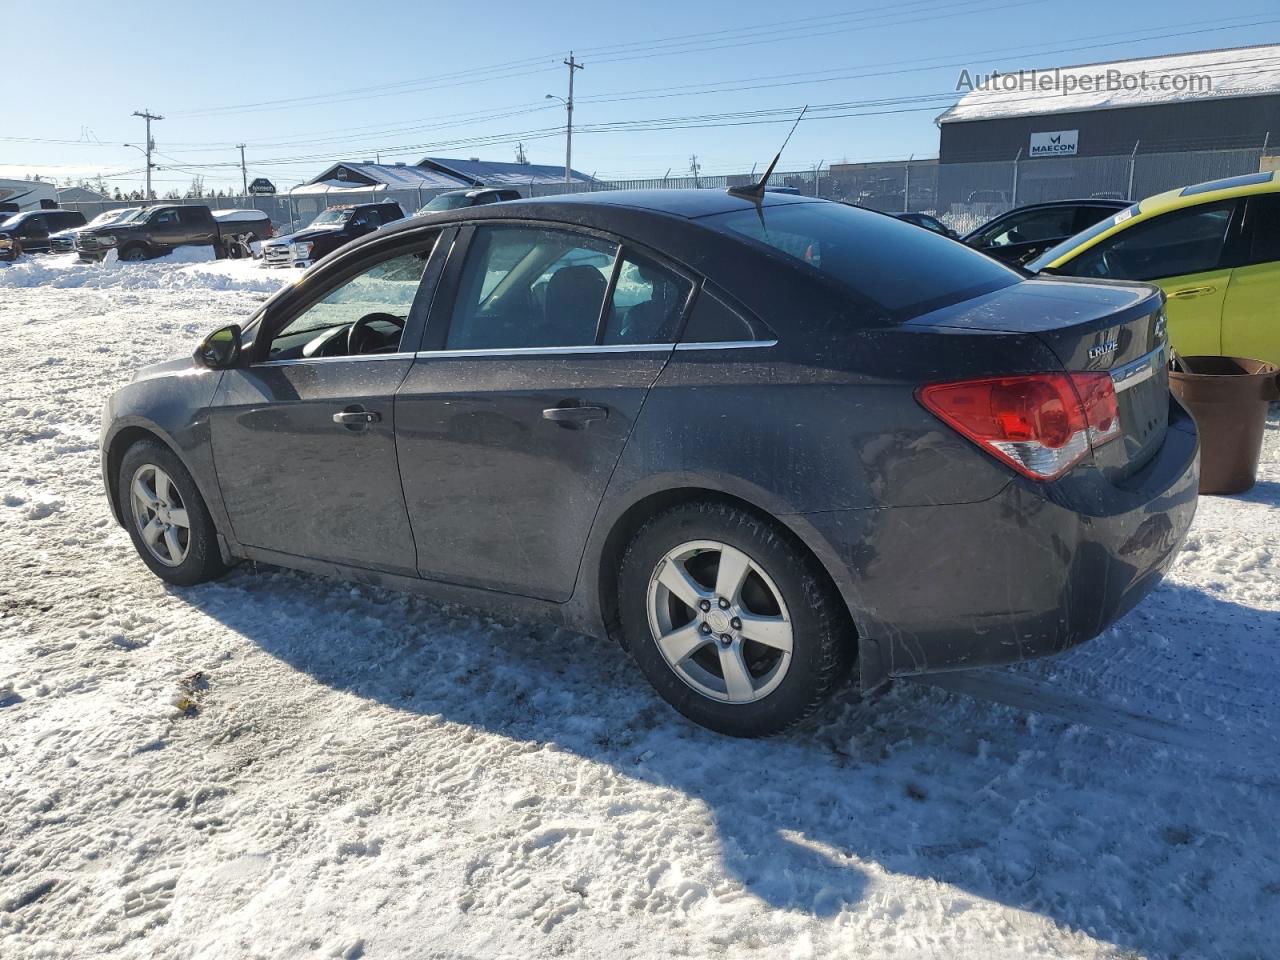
{"points": [[1081, 238], [900, 268]]}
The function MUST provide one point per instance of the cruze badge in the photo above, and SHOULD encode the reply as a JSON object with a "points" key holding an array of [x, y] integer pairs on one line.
{"points": [[1102, 349]]}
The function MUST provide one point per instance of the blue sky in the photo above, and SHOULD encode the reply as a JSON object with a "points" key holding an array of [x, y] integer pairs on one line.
{"points": [[404, 79]]}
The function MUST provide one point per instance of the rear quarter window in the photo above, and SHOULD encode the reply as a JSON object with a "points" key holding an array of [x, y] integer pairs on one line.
{"points": [[899, 268]]}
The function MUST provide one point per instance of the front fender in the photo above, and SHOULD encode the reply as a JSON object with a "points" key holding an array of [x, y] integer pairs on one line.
{"points": [[171, 405]]}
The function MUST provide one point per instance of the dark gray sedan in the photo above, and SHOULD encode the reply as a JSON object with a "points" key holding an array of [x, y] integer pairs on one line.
{"points": [[763, 442]]}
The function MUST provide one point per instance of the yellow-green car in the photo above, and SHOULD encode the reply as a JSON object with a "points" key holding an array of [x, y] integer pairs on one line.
{"points": [[1213, 248]]}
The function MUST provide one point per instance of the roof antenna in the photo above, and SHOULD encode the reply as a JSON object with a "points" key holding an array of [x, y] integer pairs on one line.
{"points": [[755, 191]]}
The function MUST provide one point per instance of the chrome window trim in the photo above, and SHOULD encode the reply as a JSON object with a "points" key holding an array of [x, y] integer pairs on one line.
{"points": [[359, 357], [726, 344], [587, 348], [543, 351], [1137, 371]]}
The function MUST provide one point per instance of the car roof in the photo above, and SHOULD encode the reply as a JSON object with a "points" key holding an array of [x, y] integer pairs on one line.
{"points": [[1082, 202], [690, 203], [1211, 191]]}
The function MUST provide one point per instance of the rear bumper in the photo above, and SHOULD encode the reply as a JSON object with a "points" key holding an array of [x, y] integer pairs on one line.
{"points": [[1030, 572]]}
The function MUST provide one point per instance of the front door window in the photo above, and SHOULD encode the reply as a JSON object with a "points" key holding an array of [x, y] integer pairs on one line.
{"points": [[364, 315]]}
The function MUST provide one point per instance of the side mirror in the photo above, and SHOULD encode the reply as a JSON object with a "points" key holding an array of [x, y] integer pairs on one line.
{"points": [[220, 349]]}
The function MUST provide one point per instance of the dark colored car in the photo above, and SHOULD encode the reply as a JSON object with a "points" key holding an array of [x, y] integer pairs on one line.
{"points": [[29, 232], [327, 232], [457, 199], [1026, 232], [755, 440], [929, 223], [152, 232]]}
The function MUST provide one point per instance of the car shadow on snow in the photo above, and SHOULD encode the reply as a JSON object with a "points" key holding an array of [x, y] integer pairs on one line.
{"points": [[1145, 846]]}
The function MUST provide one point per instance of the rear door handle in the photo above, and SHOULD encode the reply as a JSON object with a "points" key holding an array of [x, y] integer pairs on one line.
{"points": [[575, 416], [1189, 292], [356, 417]]}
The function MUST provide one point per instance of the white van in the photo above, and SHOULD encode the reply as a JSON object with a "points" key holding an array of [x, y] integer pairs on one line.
{"points": [[27, 195]]}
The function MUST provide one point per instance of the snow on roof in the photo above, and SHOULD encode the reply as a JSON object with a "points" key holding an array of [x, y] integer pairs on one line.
{"points": [[1174, 78], [364, 177], [238, 215], [498, 173]]}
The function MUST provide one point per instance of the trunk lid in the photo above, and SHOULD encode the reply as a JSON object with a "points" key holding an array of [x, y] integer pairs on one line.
{"points": [[1089, 325]]}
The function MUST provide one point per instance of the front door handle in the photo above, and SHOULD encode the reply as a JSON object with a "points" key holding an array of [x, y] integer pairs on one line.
{"points": [[1188, 292], [356, 417], [575, 416]]}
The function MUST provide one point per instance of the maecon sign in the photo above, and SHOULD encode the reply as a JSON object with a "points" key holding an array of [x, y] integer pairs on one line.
{"points": [[1059, 143]]}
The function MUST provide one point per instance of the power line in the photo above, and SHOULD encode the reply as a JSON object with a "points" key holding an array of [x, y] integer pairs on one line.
{"points": [[824, 76], [692, 43]]}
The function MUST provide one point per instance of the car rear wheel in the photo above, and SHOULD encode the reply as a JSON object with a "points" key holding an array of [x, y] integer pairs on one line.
{"points": [[166, 517], [731, 620]]}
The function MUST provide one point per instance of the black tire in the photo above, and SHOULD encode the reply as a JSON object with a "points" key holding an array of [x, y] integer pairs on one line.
{"points": [[203, 561], [823, 637], [134, 253]]}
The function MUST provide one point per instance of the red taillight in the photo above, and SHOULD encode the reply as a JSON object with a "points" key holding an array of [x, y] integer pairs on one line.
{"points": [[1042, 425]]}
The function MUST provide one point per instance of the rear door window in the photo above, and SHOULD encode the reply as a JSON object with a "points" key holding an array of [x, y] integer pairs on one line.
{"points": [[648, 301], [896, 266], [527, 287]]}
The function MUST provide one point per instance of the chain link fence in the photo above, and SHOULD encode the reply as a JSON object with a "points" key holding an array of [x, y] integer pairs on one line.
{"points": [[962, 195]]}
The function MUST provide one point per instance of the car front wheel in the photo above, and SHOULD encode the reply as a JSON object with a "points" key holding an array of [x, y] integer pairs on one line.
{"points": [[166, 517], [731, 620]]}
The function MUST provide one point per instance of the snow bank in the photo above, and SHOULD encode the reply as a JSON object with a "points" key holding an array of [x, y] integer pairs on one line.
{"points": [[187, 268]]}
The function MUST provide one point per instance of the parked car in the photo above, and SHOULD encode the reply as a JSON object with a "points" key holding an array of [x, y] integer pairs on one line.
{"points": [[456, 199], [1026, 232], [241, 229], [928, 222], [156, 231], [327, 232], [987, 196], [29, 231], [757, 440], [64, 241], [1214, 248]]}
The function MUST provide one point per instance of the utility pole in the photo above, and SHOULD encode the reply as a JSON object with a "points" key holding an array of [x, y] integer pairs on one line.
{"points": [[244, 173], [148, 116], [694, 167], [568, 122], [521, 156]]}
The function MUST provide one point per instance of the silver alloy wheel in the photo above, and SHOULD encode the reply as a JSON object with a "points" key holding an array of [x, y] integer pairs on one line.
{"points": [[160, 514], [720, 621]]}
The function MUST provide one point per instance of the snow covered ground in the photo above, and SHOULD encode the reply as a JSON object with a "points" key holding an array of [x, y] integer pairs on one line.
{"points": [[277, 765]]}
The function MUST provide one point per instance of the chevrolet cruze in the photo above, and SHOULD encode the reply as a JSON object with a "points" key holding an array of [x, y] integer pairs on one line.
{"points": [[763, 441]]}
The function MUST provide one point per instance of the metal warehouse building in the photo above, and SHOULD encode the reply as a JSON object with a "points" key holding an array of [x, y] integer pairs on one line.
{"points": [[1124, 129], [1210, 100]]}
